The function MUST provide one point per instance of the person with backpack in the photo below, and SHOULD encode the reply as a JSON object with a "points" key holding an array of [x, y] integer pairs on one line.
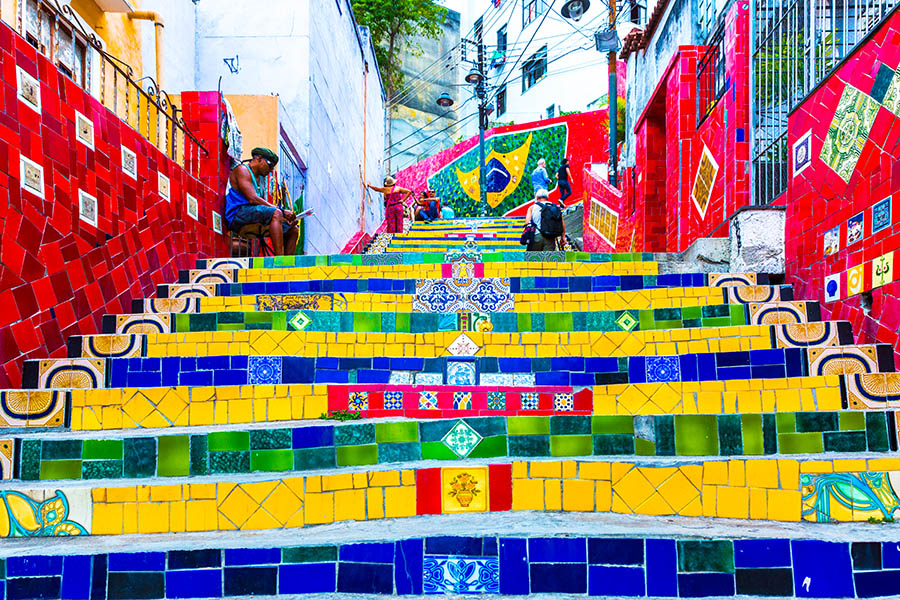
{"points": [[545, 218]]}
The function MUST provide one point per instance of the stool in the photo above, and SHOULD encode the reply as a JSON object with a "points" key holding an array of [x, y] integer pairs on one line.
{"points": [[250, 241]]}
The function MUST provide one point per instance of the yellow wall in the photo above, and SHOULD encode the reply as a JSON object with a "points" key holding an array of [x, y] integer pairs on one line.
{"points": [[121, 35], [8, 12], [257, 118]]}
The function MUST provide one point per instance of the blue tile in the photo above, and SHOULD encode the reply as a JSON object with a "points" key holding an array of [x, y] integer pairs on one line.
{"points": [[248, 581], [769, 372], [223, 378], [766, 357], [152, 364], [557, 550], [30, 566], [637, 366], [307, 578], [489, 546], [688, 364], [349, 364], [513, 566], [296, 369], [662, 563], [515, 365], [698, 585], [826, 564], [212, 362], [312, 437], [143, 379], [733, 359], [454, 546], [560, 578], [98, 578], [370, 376], [601, 365], [358, 578], [615, 581], [408, 566], [567, 363], [890, 555], [605, 551], [197, 378], [582, 379], [383, 363], [373, 553], [762, 553], [728, 373], [877, 584], [327, 363], [204, 583], [31, 588], [252, 556], [560, 378], [137, 561], [194, 559], [706, 367], [795, 363], [76, 581], [631, 282], [407, 364], [331, 377]]}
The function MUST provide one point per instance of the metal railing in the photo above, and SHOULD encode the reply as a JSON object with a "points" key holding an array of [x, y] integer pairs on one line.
{"points": [[711, 75], [796, 45], [146, 108]]}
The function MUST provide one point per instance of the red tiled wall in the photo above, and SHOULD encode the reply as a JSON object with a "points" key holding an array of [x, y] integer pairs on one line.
{"points": [[620, 200], [58, 274], [818, 199]]}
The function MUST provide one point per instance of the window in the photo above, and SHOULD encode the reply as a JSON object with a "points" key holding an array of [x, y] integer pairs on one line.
{"points": [[501, 39], [551, 111], [604, 221], [534, 69], [45, 29], [532, 9], [501, 100]]}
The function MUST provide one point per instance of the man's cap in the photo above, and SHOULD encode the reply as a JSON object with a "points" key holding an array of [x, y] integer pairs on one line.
{"points": [[542, 193], [266, 154]]}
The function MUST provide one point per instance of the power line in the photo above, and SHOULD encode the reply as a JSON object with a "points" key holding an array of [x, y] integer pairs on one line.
{"points": [[435, 134], [424, 126]]}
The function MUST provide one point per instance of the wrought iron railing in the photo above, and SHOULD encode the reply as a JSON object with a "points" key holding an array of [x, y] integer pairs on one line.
{"points": [[796, 45], [711, 75], [137, 101]]}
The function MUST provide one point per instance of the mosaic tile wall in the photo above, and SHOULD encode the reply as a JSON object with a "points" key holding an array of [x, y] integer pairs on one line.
{"points": [[82, 236], [843, 190]]}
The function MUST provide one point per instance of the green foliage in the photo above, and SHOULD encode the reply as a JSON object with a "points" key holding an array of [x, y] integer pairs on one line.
{"points": [[341, 415], [392, 25], [620, 119], [566, 113], [502, 123]]}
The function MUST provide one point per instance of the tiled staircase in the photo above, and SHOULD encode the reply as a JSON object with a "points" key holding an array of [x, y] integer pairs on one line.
{"points": [[500, 422]]}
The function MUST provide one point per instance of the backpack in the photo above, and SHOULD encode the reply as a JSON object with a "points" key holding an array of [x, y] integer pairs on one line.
{"points": [[551, 220]]}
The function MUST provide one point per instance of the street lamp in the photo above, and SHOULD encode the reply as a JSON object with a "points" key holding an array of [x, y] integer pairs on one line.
{"points": [[575, 9], [444, 100], [475, 76]]}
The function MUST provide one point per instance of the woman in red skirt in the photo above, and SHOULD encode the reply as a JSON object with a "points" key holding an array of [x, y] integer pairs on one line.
{"points": [[395, 198]]}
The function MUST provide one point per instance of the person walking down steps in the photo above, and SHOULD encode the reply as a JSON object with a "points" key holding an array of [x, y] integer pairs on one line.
{"points": [[544, 219], [395, 198]]}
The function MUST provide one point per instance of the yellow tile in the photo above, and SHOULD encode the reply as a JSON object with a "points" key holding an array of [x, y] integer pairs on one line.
{"points": [[594, 470], [121, 494], [527, 494], [129, 518], [519, 469], [552, 494], [678, 491], [237, 506], [463, 490], [789, 474], [758, 507], [850, 465], [343, 481], [784, 505], [762, 473], [715, 473], [383, 478], [545, 470], [153, 517], [633, 488], [578, 495], [408, 477], [399, 502], [164, 493], [350, 505], [319, 508], [203, 490], [816, 466], [883, 464], [736, 473], [375, 503], [107, 519], [733, 502], [314, 484], [177, 520], [708, 497]]}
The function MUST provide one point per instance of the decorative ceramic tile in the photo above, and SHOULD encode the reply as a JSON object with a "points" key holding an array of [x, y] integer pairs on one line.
{"points": [[529, 400], [626, 321], [87, 208], [461, 373], [663, 368], [429, 378], [731, 279], [192, 290], [193, 208], [111, 346], [311, 301], [463, 295], [82, 373], [461, 575], [393, 400], [856, 279], [461, 439], [428, 401], [84, 130], [163, 187], [464, 489], [495, 400], [28, 89], [873, 390], [497, 379], [523, 379], [6, 459], [846, 497], [207, 276], [802, 153], [217, 222], [832, 240], [891, 100], [264, 370], [564, 402], [883, 270], [751, 293], [45, 513], [462, 400], [463, 270], [401, 378], [379, 245], [855, 227], [228, 263], [129, 162], [358, 401], [848, 132], [807, 335], [704, 181], [481, 322], [32, 176], [881, 215], [775, 313], [463, 346], [395, 258], [144, 323], [33, 408], [843, 360], [832, 286]]}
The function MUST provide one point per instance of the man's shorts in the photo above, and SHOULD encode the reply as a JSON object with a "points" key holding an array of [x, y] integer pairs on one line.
{"points": [[253, 214]]}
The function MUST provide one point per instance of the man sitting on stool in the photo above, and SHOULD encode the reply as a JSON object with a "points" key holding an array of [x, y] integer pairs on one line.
{"points": [[245, 204]]}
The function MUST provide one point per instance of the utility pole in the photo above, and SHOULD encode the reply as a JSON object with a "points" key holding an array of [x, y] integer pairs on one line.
{"points": [[613, 101], [480, 91]]}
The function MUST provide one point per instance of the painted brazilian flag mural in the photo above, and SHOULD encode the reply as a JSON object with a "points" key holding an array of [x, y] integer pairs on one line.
{"points": [[509, 158]]}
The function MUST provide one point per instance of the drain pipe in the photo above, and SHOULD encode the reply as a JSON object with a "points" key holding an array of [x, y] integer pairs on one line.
{"points": [[149, 15]]}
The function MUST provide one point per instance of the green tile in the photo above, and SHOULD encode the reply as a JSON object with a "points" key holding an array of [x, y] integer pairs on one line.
{"points": [[434, 430], [490, 447], [438, 451], [852, 420], [569, 424], [174, 457], [752, 434], [644, 447], [366, 322], [570, 445], [270, 439], [612, 424], [664, 434], [61, 469], [785, 422], [271, 460], [228, 440], [528, 425], [845, 441], [529, 445], [730, 442], [61, 449], [354, 434], [357, 455], [101, 469], [96, 449], [30, 460], [618, 444], [705, 556], [800, 443], [816, 421], [199, 455], [487, 426], [314, 458], [696, 435], [876, 431], [140, 457], [309, 554], [229, 461], [406, 431], [401, 323], [554, 322], [770, 436], [399, 452]]}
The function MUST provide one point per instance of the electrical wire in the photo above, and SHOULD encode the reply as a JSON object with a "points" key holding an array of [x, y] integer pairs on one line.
{"points": [[424, 126], [435, 134]]}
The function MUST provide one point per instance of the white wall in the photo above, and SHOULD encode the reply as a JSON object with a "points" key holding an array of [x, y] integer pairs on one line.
{"points": [[179, 43]]}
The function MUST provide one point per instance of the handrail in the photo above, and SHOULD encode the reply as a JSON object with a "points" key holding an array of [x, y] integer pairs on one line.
{"points": [[143, 110]]}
